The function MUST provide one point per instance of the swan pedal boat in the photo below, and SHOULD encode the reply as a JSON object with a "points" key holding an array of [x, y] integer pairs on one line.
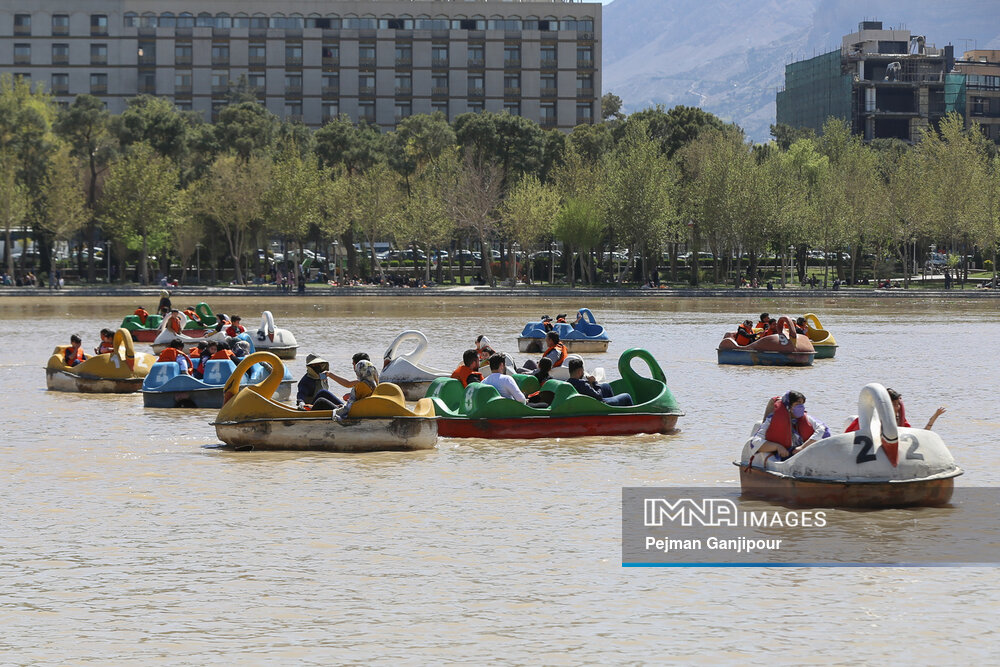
{"points": [[406, 370], [822, 340], [120, 371], [146, 332], [250, 419], [478, 411], [780, 349], [588, 336], [267, 338], [167, 386], [903, 467]]}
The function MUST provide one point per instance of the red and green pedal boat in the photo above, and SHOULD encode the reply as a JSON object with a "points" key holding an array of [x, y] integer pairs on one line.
{"points": [[479, 411]]}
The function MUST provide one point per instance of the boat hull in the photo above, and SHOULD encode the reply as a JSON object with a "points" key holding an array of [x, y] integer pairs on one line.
{"points": [[57, 380], [757, 483], [751, 357], [578, 346], [210, 397], [526, 428], [825, 351], [370, 434], [287, 352]]}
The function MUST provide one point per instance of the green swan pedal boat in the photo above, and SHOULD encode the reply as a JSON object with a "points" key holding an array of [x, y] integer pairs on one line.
{"points": [[479, 411]]}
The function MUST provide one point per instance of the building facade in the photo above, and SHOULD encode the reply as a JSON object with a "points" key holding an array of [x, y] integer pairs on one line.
{"points": [[886, 83], [313, 60], [980, 70]]}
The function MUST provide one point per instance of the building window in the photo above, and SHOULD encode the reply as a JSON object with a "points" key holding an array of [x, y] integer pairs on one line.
{"points": [[60, 24], [331, 54], [182, 83], [331, 84], [403, 110], [220, 54], [441, 107], [512, 56], [331, 110], [439, 55], [476, 85], [182, 54], [257, 82], [439, 84], [548, 114], [22, 24], [585, 85], [293, 84], [98, 54], [293, 111], [220, 82], [60, 54], [476, 107], [366, 55], [60, 84], [183, 106], [584, 57], [366, 83], [548, 82], [98, 24], [549, 59], [257, 54], [511, 84], [366, 111], [404, 54], [98, 84], [477, 55], [22, 54], [584, 114], [147, 83], [293, 55], [513, 108], [404, 84]]}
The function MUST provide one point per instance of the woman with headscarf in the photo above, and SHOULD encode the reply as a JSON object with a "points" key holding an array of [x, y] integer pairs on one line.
{"points": [[900, 410], [367, 376], [787, 427]]}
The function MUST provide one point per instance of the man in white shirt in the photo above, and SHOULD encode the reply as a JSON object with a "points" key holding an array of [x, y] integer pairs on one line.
{"points": [[503, 383]]}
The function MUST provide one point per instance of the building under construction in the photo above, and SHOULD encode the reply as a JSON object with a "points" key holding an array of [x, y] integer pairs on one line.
{"points": [[886, 83]]}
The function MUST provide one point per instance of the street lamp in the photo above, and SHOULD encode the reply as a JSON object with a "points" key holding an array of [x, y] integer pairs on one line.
{"points": [[336, 261]]}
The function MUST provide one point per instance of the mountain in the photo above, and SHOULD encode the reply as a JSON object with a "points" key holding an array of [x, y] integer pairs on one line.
{"points": [[729, 56]]}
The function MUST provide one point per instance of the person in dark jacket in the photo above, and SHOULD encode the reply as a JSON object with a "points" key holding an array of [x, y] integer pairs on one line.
{"points": [[313, 390], [589, 386]]}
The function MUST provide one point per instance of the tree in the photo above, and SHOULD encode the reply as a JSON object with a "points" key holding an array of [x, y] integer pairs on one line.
{"points": [[157, 122], [246, 129], [231, 195], [611, 107], [138, 202], [529, 211], [14, 203], [580, 226], [187, 231], [375, 202], [425, 217], [786, 135], [62, 211], [516, 144], [295, 198], [674, 128], [418, 141], [472, 198], [86, 126]]}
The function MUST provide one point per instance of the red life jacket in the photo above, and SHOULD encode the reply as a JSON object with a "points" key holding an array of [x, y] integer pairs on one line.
{"points": [[105, 348], [780, 429], [69, 356], [562, 354], [744, 335], [465, 375], [191, 315], [234, 330], [854, 425], [142, 314]]}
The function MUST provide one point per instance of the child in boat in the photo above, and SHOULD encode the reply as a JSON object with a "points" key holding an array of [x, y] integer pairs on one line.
{"points": [[74, 353], [787, 428], [364, 387], [107, 338], [900, 410]]}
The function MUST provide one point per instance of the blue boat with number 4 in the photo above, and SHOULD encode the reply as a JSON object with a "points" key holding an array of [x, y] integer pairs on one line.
{"points": [[582, 336]]}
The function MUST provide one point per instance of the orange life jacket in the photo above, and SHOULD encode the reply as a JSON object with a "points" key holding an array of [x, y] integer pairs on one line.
{"points": [[69, 356], [142, 314], [762, 325], [191, 315], [234, 330], [105, 348], [465, 375], [562, 354], [224, 354], [561, 319], [744, 335], [173, 354], [174, 322], [780, 429]]}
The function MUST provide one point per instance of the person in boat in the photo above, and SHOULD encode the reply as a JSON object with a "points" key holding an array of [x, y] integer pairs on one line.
{"points": [[801, 327], [363, 387], [142, 314], [235, 328], [164, 306], [787, 428], [541, 398], [554, 350], [542, 372], [468, 371], [764, 324], [222, 351], [107, 342], [745, 333], [199, 355], [501, 381], [900, 410], [587, 385], [547, 323], [240, 348], [221, 322], [561, 319], [175, 352], [74, 353], [345, 382], [484, 348], [313, 392]]}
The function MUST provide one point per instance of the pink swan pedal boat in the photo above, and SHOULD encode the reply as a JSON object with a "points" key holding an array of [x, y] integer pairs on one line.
{"points": [[780, 349], [878, 466]]}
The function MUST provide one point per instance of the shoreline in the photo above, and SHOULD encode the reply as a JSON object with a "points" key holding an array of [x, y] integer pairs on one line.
{"points": [[525, 291]]}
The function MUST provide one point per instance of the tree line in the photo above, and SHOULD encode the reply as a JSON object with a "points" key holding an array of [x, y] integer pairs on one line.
{"points": [[622, 199]]}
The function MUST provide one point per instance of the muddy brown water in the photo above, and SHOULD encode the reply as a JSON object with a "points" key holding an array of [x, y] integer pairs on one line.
{"points": [[125, 540]]}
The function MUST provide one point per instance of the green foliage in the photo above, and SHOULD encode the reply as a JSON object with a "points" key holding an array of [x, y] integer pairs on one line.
{"points": [[529, 211], [156, 122], [246, 129]]}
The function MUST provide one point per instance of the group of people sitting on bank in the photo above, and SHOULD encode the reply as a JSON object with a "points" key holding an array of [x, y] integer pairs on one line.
{"points": [[747, 332]]}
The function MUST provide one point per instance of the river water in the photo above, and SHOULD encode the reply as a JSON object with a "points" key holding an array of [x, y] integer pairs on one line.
{"points": [[126, 540]]}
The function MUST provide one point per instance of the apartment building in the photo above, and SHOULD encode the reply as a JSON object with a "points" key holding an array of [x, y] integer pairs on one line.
{"points": [[312, 60], [980, 70]]}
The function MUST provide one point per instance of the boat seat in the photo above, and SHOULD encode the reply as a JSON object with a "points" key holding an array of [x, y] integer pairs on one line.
{"points": [[528, 384], [449, 391], [217, 371], [162, 371]]}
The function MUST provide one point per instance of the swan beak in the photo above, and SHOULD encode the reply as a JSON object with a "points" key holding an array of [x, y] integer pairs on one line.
{"points": [[891, 449]]}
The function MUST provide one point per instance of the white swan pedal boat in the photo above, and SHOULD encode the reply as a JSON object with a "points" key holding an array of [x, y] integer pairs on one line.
{"points": [[267, 338], [251, 420], [878, 466], [406, 370]]}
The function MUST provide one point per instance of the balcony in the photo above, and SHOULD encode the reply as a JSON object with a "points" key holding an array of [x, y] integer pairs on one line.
{"points": [[366, 62], [585, 36], [147, 88], [255, 61], [404, 61], [475, 92], [217, 61], [512, 92], [22, 58], [366, 90], [476, 63], [22, 30], [439, 62], [98, 60], [512, 63], [548, 92], [585, 64], [399, 119], [60, 59], [147, 60], [331, 62], [293, 90], [293, 61], [60, 89], [182, 90], [330, 91], [439, 91], [329, 119], [97, 31], [368, 118], [584, 93], [98, 89], [182, 61], [549, 63], [58, 30], [583, 120], [404, 91], [218, 90], [294, 118], [548, 123]]}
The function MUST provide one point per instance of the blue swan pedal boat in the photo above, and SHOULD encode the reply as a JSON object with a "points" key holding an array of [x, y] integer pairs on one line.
{"points": [[585, 336]]}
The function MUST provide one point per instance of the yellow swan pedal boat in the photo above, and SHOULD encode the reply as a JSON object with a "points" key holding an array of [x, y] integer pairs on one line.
{"points": [[250, 419], [120, 371], [822, 340]]}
